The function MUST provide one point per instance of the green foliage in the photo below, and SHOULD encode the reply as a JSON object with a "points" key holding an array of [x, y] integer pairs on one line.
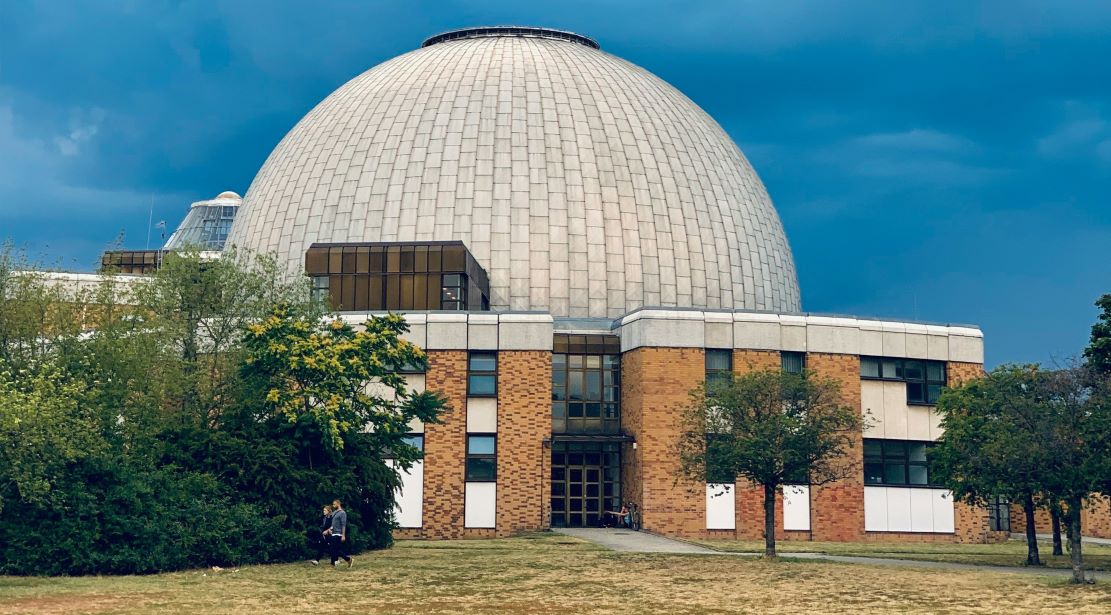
{"points": [[771, 428], [336, 378], [147, 442], [1098, 353], [994, 428]]}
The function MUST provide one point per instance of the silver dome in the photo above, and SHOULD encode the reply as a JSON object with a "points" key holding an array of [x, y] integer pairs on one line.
{"points": [[585, 185]]}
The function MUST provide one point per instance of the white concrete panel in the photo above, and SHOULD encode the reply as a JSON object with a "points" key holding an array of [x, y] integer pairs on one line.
{"points": [[793, 338], [894, 343], [944, 514], [721, 506], [416, 426], [480, 505], [934, 418], [840, 339], [482, 415], [447, 333], [409, 503], [415, 382], [525, 332], [871, 338], [895, 410], [898, 510], [916, 345], [673, 329], [937, 347], [875, 509], [918, 423], [719, 334], [757, 335], [417, 334], [871, 405], [482, 336], [921, 509], [796, 507], [966, 349]]}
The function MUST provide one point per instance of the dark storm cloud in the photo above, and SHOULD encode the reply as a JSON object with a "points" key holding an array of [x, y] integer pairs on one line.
{"points": [[948, 161]]}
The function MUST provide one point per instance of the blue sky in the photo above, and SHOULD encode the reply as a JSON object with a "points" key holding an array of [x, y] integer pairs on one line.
{"points": [[942, 161]]}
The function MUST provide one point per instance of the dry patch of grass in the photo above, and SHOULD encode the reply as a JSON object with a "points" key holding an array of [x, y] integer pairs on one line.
{"points": [[1010, 553], [552, 574]]}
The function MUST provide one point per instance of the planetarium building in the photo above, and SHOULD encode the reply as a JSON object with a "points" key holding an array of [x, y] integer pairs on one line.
{"points": [[577, 245]]}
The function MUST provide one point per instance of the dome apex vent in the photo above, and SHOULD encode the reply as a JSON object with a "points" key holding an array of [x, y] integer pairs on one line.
{"points": [[496, 31]]}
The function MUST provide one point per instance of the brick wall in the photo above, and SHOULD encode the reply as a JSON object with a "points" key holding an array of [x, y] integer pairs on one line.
{"points": [[524, 423], [837, 509], [445, 451], [656, 385]]}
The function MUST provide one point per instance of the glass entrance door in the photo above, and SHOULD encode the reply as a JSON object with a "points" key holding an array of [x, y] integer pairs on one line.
{"points": [[586, 482]]}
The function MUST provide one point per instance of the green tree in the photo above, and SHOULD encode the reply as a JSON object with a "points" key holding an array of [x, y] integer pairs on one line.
{"points": [[1098, 353], [198, 308], [771, 428], [1079, 421], [993, 442]]}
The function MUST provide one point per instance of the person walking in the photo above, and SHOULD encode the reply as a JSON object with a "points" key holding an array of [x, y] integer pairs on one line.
{"points": [[319, 538], [337, 538]]}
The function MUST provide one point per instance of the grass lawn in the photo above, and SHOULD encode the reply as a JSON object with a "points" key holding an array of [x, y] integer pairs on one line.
{"points": [[552, 574], [1010, 553]]}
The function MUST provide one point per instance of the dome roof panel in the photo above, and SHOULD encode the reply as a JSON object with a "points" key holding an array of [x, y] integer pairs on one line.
{"points": [[585, 185]]}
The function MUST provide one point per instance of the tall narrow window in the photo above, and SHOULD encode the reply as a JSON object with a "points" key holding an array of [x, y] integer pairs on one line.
{"points": [[482, 460], [453, 291], [482, 374], [719, 367], [999, 514], [793, 362], [320, 290]]}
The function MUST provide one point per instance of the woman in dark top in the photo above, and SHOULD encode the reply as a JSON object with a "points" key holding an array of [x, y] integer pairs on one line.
{"points": [[320, 541]]}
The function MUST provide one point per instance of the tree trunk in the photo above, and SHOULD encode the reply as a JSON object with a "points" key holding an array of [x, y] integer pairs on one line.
{"points": [[1074, 541], [1055, 516], [1032, 558], [769, 520]]}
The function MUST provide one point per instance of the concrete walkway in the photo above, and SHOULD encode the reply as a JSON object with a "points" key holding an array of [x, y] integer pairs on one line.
{"points": [[634, 542], [629, 541]]}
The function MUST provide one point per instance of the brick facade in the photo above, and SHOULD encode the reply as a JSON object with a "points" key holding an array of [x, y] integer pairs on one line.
{"points": [[656, 386], [445, 451], [524, 424]]}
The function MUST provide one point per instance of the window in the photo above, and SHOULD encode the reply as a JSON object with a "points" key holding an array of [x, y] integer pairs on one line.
{"points": [[482, 374], [415, 440], [719, 367], [999, 514], [717, 467], [586, 384], [899, 463], [320, 288], [453, 291], [793, 362], [924, 379], [482, 461]]}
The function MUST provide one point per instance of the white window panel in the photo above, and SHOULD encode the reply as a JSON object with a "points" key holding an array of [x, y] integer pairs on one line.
{"points": [[409, 504], [480, 505], [921, 509], [721, 508], [875, 509], [898, 510], [796, 507], [943, 511]]}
